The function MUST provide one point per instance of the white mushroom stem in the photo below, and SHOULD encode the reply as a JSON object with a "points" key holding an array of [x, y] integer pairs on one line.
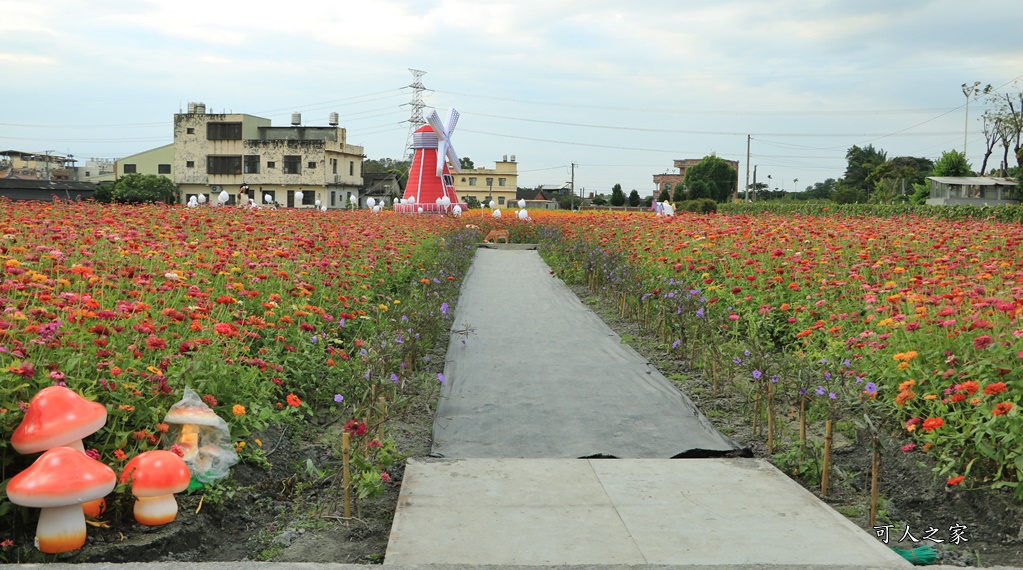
{"points": [[155, 511], [61, 529]]}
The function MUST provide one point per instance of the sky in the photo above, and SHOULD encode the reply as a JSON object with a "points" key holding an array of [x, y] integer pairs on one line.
{"points": [[613, 91]]}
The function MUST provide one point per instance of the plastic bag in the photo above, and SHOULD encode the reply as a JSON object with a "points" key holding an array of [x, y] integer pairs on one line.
{"points": [[203, 437]]}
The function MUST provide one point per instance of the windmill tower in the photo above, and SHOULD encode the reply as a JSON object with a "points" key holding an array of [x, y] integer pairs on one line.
{"points": [[415, 120], [431, 186]]}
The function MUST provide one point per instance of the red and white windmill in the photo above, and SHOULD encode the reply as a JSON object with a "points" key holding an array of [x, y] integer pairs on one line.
{"points": [[430, 184]]}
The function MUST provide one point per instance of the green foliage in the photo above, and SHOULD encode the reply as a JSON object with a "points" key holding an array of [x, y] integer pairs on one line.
{"points": [[142, 188], [1003, 213], [104, 192], [569, 202], [664, 196], [952, 163], [466, 162], [921, 192], [599, 200], [848, 195], [472, 202], [617, 196], [711, 178], [679, 194], [700, 206], [634, 198], [862, 162]]}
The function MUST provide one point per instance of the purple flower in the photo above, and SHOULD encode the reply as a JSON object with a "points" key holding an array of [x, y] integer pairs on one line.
{"points": [[440, 377], [775, 378], [820, 390], [832, 396], [394, 378], [339, 398], [757, 374], [871, 388], [699, 313], [444, 309], [676, 343]]}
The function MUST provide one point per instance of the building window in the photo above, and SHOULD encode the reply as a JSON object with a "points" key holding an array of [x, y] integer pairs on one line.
{"points": [[333, 165], [311, 164], [224, 131], [351, 168], [500, 200], [189, 164], [271, 193], [490, 182], [472, 181], [163, 169], [190, 131], [251, 164], [271, 164], [292, 164], [223, 164], [308, 198], [449, 180], [333, 196], [129, 169], [501, 181]]}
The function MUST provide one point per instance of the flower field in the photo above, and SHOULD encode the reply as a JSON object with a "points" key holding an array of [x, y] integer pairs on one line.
{"points": [[269, 316], [875, 320]]}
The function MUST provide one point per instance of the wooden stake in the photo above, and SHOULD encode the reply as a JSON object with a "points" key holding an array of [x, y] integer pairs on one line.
{"points": [[347, 480], [383, 416], [756, 408], [802, 423], [875, 470], [770, 418], [827, 457]]}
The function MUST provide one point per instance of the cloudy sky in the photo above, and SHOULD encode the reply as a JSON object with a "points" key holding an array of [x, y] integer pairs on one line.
{"points": [[620, 89]]}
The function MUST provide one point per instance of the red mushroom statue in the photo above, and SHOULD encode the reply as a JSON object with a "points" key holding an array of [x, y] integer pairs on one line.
{"points": [[58, 417], [155, 476], [58, 483]]}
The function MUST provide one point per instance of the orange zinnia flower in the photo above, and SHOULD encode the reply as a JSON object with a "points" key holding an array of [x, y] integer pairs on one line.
{"points": [[931, 424], [1002, 408], [996, 388], [294, 401]]}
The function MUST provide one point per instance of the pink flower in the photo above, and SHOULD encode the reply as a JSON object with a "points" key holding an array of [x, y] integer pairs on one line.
{"points": [[94, 454], [385, 477], [982, 342], [909, 447]]}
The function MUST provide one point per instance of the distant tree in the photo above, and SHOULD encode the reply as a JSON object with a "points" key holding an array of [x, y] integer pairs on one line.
{"points": [[471, 202], [104, 192], [648, 201], [599, 200], [821, 190], [1003, 122], [140, 188], [569, 202], [711, 178], [952, 163], [634, 198], [399, 167], [848, 194], [617, 196], [664, 196], [895, 179], [862, 162], [465, 162], [679, 193]]}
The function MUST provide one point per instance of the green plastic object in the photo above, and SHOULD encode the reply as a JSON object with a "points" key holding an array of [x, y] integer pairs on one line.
{"points": [[919, 556], [193, 485]]}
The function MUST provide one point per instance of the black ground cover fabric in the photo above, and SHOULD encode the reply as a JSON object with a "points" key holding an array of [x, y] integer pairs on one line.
{"points": [[532, 372]]}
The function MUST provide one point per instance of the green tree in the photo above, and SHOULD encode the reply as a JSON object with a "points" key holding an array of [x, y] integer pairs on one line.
{"points": [[862, 162], [711, 178], [664, 195], [139, 188], [471, 202], [679, 194], [848, 194], [599, 200], [399, 167], [569, 202], [465, 162], [634, 198], [617, 196], [952, 163], [104, 192]]}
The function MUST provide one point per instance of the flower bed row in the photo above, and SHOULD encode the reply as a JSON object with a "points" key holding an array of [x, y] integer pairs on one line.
{"points": [[860, 318], [269, 316]]}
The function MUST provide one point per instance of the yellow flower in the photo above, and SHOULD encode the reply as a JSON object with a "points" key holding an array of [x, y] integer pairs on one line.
{"points": [[259, 442], [154, 370], [397, 301], [238, 410], [903, 365], [931, 397], [239, 445]]}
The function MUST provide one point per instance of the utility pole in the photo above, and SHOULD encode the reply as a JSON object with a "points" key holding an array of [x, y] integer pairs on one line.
{"points": [[748, 137], [572, 186]]}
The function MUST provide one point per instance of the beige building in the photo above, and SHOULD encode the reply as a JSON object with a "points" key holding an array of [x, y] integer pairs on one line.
{"points": [[486, 184], [156, 161], [214, 152]]}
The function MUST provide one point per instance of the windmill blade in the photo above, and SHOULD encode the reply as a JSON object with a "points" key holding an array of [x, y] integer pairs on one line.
{"points": [[456, 164], [451, 122], [442, 147], [438, 127]]}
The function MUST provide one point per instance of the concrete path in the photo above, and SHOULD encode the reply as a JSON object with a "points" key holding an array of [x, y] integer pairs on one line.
{"points": [[527, 509]]}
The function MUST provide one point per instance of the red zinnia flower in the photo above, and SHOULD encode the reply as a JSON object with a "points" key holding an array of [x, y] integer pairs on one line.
{"points": [[996, 388], [294, 401], [956, 480], [931, 424], [982, 342], [155, 343], [1002, 408]]}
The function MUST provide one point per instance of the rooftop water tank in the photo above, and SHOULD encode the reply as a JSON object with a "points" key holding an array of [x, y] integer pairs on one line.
{"points": [[333, 119], [296, 119]]}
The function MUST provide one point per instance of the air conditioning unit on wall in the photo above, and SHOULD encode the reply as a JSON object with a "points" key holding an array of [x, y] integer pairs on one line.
{"points": [[215, 188]]}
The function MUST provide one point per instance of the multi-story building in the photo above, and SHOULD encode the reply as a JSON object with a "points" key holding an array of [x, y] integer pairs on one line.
{"points": [[154, 161], [252, 160], [496, 184], [668, 180]]}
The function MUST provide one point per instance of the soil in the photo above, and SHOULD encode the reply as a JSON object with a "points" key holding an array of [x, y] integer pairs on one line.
{"points": [[290, 512]]}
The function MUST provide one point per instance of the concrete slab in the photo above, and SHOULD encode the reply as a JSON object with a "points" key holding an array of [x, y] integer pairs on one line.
{"points": [[616, 511]]}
